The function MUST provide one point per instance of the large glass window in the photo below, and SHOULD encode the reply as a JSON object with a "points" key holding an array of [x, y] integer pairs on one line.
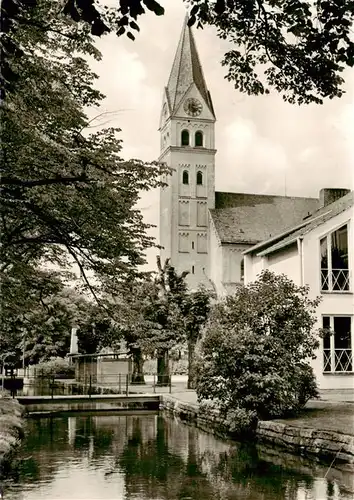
{"points": [[337, 344], [334, 261]]}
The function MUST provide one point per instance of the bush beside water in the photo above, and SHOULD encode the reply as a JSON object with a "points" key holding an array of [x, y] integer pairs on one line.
{"points": [[11, 431]]}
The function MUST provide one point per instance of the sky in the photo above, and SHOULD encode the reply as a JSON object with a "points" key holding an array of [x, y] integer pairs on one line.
{"points": [[264, 145]]}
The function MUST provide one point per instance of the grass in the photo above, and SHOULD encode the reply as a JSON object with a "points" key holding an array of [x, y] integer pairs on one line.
{"points": [[337, 417]]}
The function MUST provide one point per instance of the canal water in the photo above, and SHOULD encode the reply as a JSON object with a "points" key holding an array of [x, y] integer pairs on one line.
{"points": [[145, 457]]}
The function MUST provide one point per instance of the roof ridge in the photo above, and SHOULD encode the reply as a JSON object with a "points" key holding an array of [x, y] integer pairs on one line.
{"points": [[332, 208], [269, 195], [281, 235]]}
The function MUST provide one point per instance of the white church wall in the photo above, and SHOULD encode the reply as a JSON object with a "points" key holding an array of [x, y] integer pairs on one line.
{"points": [[253, 267], [286, 261], [187, 212], [232, 258], [202, 243], [183, 213], [184, 173], [202, 213], [215, 260], [183, 242]]}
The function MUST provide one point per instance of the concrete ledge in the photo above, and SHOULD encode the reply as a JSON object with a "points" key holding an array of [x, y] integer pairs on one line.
{"points": [[308, 441], [325, 444]]}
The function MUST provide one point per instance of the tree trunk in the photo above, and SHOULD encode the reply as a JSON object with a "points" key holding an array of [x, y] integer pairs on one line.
{"points": [[163, 369], [138, 367], [191, 374]]}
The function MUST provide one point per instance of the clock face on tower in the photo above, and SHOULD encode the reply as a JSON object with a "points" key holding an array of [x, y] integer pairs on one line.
{"points": [[192, 107]]}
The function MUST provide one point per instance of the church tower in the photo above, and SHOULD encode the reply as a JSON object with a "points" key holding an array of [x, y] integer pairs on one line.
{"points": [[187, 146]]}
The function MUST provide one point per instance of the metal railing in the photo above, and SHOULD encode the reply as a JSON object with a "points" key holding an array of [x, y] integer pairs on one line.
{"points": [[341, 360], [335, 280], [91, 384]]}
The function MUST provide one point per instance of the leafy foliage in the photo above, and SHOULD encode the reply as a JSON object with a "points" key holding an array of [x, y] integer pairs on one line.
{"points": [[154, 314], [297, 47], [56, 367], [255, 351], [97, 330], [303, 46], [65, 191], [37, 314]]}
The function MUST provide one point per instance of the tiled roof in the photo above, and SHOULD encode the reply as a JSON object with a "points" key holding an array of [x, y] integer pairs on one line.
{"points": [[186, 69], [251, 218], [319, 217]]}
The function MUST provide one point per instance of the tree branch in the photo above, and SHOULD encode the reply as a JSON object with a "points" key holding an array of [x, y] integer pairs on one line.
{"points": [[42, 182]]}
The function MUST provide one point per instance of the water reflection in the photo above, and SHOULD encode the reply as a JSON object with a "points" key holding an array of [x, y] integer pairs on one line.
{"points": [[153, 457]]}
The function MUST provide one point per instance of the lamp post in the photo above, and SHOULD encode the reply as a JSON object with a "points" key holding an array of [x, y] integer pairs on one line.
{"points": [[23, 351]]}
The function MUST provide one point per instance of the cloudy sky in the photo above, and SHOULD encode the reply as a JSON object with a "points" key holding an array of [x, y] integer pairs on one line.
{"points": [[264, 145]]}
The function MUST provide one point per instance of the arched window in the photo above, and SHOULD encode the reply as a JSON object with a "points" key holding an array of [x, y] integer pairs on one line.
{"points": [[199, 178], [242, 270], [199, 139], [185, 138], [185, 177]]}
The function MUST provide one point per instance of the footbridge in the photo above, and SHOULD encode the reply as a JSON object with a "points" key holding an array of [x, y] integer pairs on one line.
{"points": [[57, 404]]}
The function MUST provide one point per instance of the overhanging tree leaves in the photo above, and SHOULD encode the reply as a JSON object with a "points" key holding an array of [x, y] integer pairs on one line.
{"points": [[37, 312], [297, 47], [65, 191], [256, 350]]}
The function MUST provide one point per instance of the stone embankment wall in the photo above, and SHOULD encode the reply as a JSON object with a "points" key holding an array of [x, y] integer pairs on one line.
{"points": [[11, 430], [300, 440]]}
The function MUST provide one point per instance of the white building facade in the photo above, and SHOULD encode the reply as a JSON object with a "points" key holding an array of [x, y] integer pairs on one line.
{"points": [[320, 253], [188, 147], [225, 239], [203, 231]]}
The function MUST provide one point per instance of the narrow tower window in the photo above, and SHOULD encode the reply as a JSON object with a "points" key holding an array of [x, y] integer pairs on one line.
{"points": [[199, 178], [185, 138], [192, 269], [199, 139], [185, 177]]}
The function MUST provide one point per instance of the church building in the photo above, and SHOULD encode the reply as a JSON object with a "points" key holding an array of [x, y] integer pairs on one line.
{"points": [[204, 231], [224, 239]]}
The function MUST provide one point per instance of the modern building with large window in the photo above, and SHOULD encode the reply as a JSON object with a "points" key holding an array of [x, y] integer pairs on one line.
{"points": [[319, 252], [224, 239]]}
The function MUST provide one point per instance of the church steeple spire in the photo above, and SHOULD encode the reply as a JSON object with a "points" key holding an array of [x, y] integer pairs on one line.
{"points": [[186, 70]]}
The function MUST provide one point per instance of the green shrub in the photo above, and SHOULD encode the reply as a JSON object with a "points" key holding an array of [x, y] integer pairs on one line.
{"points": [[254, 356], [55, 367], [240, 422]]}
